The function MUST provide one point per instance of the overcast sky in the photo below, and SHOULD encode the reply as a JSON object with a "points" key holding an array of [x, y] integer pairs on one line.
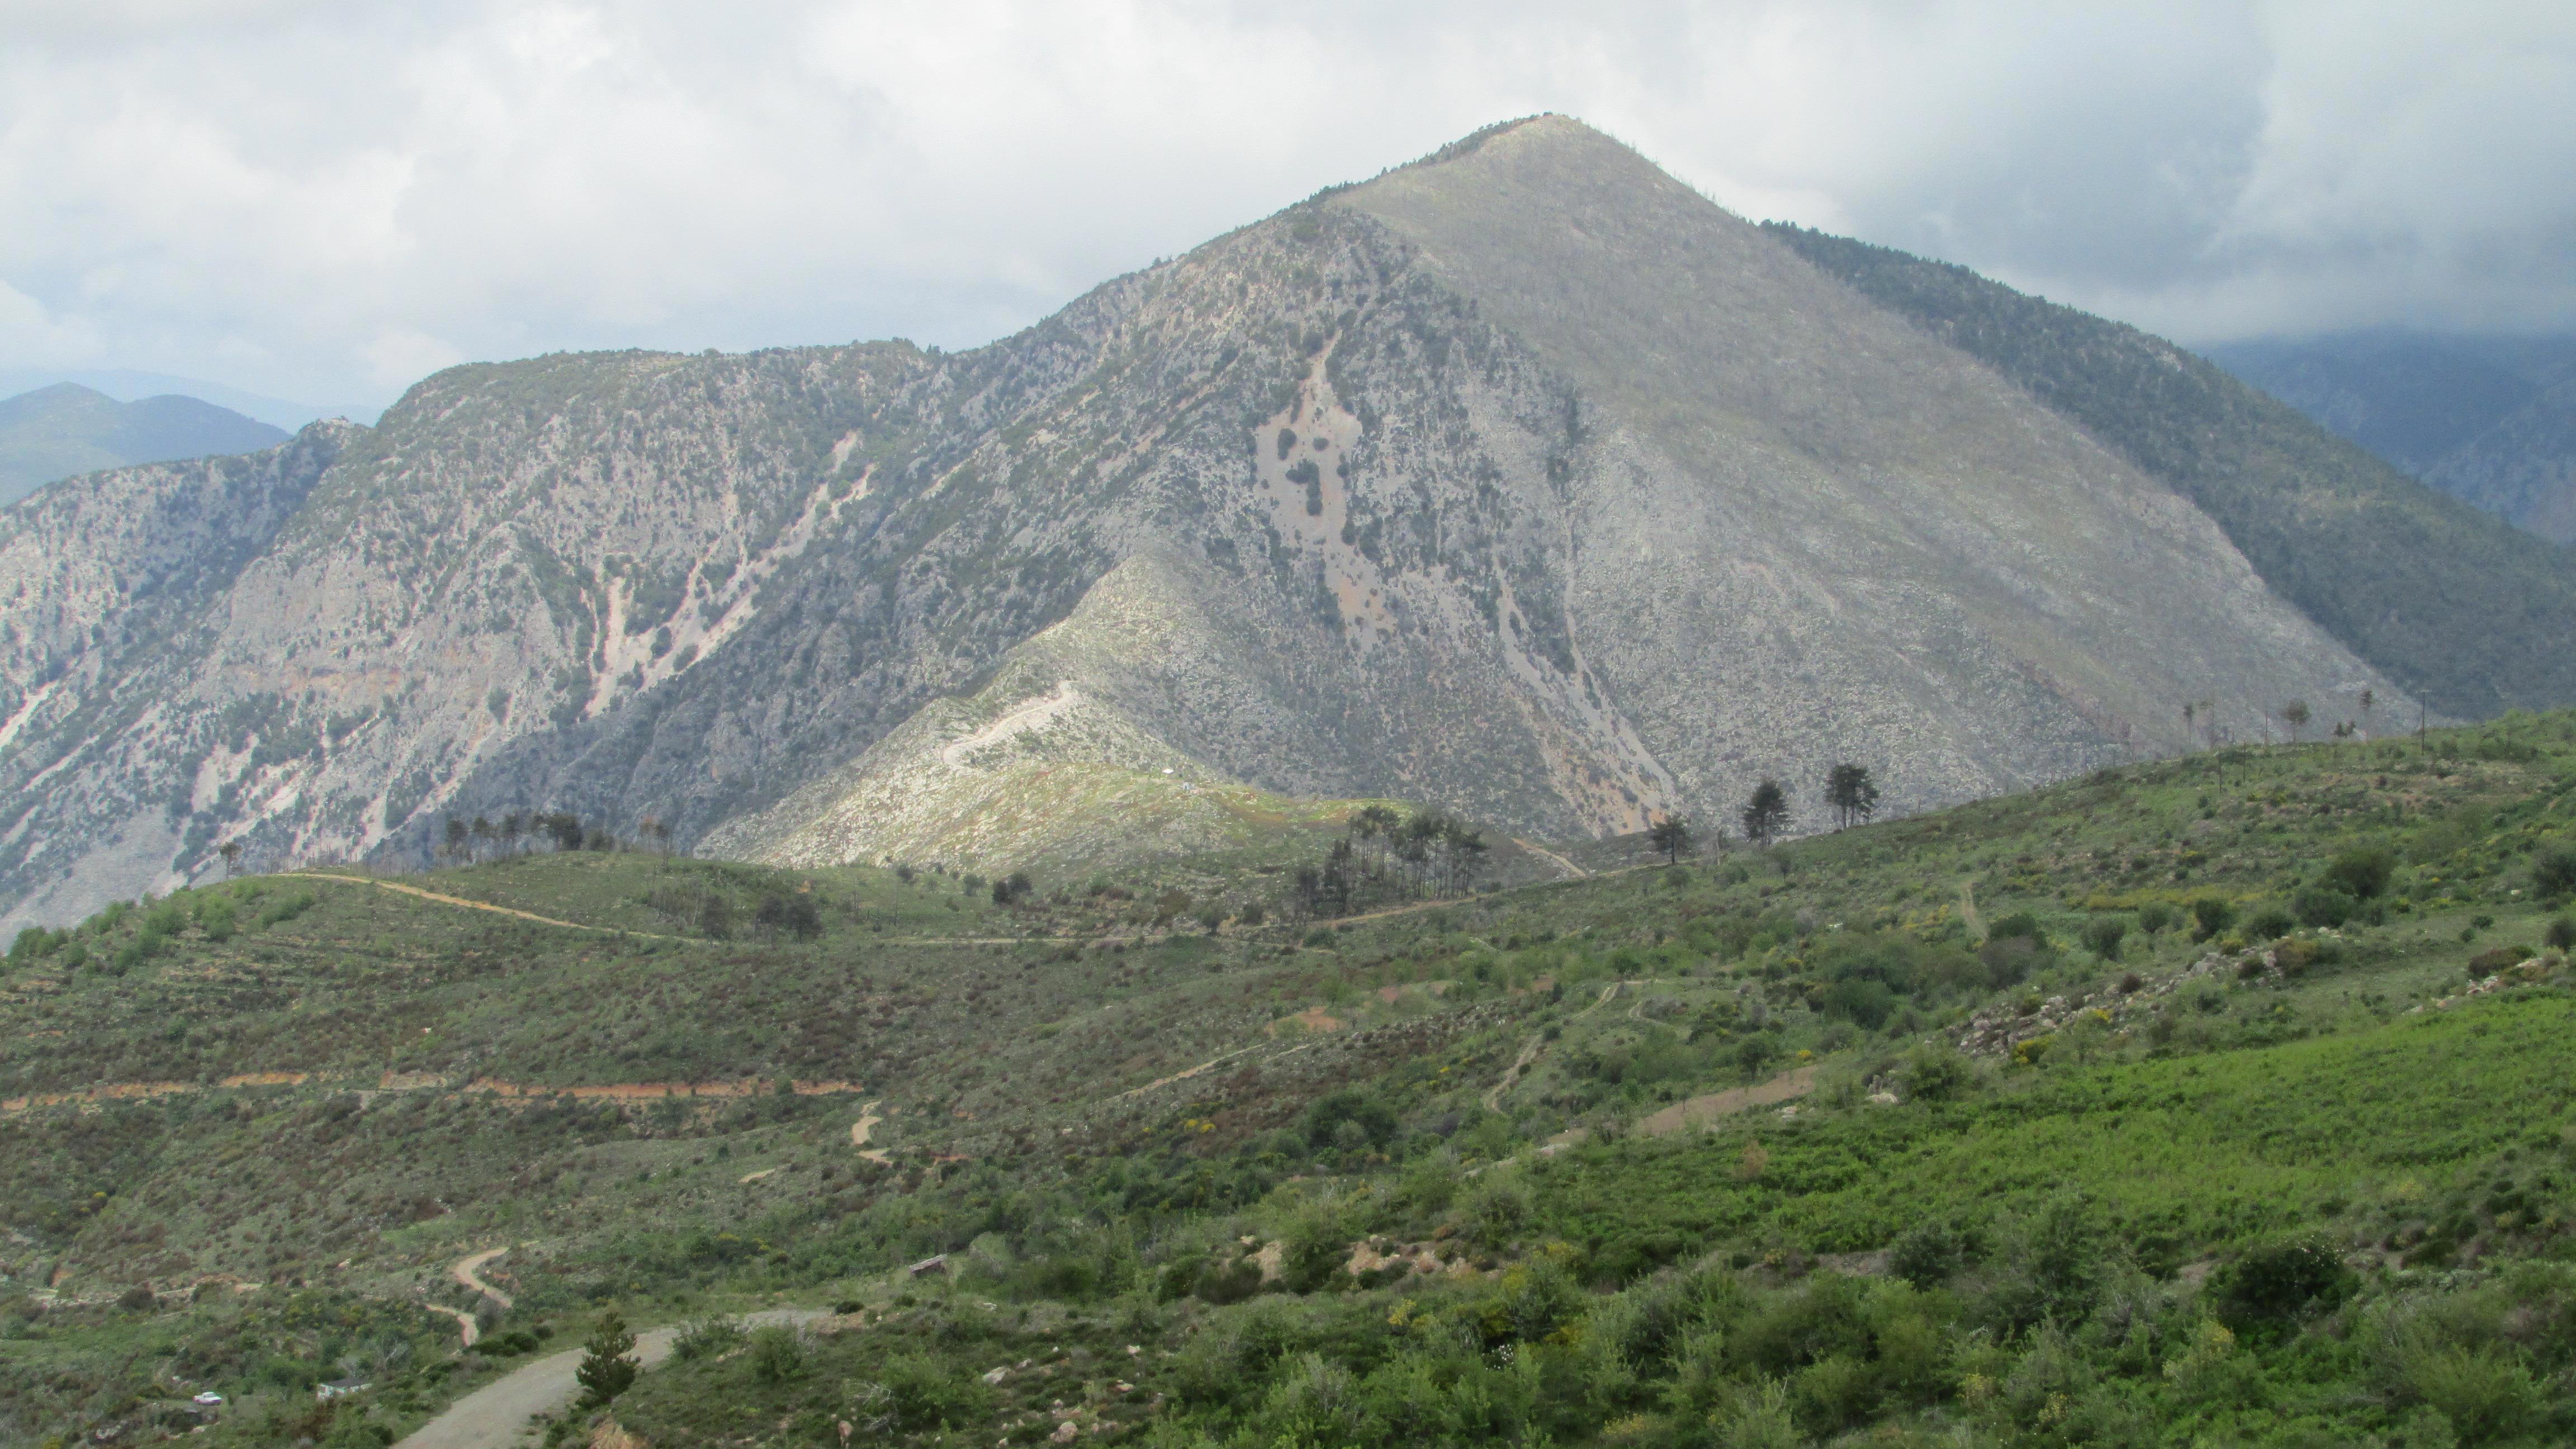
{"points": [[329, 200]]}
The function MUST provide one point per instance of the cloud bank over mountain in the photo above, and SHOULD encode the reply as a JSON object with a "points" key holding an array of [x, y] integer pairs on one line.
{"points": [[332, 201]]}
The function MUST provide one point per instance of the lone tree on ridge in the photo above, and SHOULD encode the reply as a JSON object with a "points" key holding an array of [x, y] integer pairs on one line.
{"points": [[1672, 836], [1852, 793], [1766, 814]]}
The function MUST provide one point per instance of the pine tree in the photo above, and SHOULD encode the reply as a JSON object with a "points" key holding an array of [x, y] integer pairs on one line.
{"points": [[1766, 814], [1672, 836], [608, 1362]]}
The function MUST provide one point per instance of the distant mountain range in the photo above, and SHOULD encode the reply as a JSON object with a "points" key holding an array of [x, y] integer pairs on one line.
{"points": [[2489, 420], [66, 429], [1521, 481]]}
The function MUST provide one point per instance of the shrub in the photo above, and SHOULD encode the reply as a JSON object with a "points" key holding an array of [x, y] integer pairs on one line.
{"points": [[1497, 1210], [2059, 1261], [1834, 1391], [1759, 1420], [2281, 1282], [2562, 933], [2362, 873], [2019, 926], [707, 1337], [2323, 905], [1313, 1251], [2555, 872], [2210, 916], [1376, 1120], [777, 1354], [2486, 1393], [2270, 924], [925, 1394], [2154, 916], [1934, 1074], [1928, 1254], [2103, 935]]}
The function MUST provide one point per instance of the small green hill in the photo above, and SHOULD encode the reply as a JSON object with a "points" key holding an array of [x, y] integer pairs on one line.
{"points": [[66, 429], [2212, 1100]]}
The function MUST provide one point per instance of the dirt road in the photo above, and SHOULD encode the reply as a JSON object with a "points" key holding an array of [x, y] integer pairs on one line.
{"points": [[446, 900], [1572, 871], [494, 1415], [468, 1270], [859, 1130]]}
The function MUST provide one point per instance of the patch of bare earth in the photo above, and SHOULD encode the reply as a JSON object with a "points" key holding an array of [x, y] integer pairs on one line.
{"points": [[1700, 1111]]}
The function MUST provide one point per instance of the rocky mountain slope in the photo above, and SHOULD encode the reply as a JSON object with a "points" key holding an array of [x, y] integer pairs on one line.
{"points": [[1521, 481], [66, 429]]}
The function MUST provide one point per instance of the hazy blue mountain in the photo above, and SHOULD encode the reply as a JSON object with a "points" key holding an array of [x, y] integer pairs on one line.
{"points": [[2488, 420], [66, 430], [126, 384]]}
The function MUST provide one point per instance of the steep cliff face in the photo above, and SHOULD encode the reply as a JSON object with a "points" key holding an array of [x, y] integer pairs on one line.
{"points": [[1521, 481]]}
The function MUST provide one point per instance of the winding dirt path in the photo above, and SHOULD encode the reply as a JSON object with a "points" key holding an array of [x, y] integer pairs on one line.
{"points": [[1493, 1097], [447, 900], [495, 1414], [859, 1130], [1572, 871], [468, 1270], [1968, 911], [1183, 1075]]}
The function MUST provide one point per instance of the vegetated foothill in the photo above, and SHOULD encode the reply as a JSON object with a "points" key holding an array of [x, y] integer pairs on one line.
{"points": [[1658, 1155]]}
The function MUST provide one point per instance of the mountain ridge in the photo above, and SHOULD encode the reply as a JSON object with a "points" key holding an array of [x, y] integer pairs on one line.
{"points": [[1420, 520]]}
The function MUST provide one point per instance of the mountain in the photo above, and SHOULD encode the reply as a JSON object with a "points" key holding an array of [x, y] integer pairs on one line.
{"points": [[126, 384], [1522, 482], [2488, 420], [66, 429]]}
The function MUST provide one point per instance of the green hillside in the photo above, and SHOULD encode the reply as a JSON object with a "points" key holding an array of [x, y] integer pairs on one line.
{"points": [[2443, 597], [2262, 1136]]}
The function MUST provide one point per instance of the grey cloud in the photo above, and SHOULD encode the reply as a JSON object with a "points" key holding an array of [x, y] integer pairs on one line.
{"points": [[330, 200]]}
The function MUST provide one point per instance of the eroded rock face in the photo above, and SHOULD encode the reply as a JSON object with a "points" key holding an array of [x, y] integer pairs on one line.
{"points": [[1522, 482]]}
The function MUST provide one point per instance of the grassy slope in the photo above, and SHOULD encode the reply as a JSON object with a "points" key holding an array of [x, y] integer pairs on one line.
{"points": [[2228, 1116], [2448, 600]]}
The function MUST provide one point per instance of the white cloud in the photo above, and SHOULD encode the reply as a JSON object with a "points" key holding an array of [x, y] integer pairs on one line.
{"points": [[321, 199]]}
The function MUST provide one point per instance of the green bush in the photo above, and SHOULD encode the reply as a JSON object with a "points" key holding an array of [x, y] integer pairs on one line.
{"points": [[2154, 916], [1935, 1074], [2270, 923], [2561, 933], [2281, 1282], [2210, 916], [1928, 1254], [1314, 1251], [711, 1336], [2322, 906], [2485, 1393], [2362, 873], [2554, 873], [2103, 935], [777, 1354], [926, 1394]]}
